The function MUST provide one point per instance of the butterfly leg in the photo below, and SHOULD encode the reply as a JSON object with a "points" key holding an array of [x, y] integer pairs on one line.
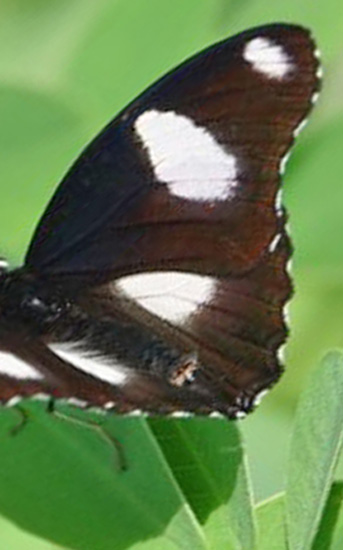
{"points": [[98, 428]]}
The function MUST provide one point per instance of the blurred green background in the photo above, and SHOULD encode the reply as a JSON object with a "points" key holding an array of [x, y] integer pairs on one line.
{"points": [[66, 68]]}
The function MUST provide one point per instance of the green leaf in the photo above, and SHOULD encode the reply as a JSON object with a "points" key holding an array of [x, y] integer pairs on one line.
{"points": [[40, 37], [207, 459], [313, 178], [327, 528], [266, 445], [37, 137], [271, 524], [13, 538], [133, 43], [315, 445], [337, 537], [61, 481], [316, 315]]}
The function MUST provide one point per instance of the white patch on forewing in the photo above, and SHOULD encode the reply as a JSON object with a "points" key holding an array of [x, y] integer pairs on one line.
{"points": [[16, 368], [171, 295], [99, 367], [267, 57], [187, 157]]}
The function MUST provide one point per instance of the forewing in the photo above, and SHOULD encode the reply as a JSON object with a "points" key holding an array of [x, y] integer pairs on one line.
{"points": [[186, 177]]}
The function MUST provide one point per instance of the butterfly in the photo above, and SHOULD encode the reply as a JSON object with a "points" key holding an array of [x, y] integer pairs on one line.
{"points": [[157, 277]]}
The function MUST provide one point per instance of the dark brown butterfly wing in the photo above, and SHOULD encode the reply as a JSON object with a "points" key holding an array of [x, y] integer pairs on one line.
{"points": [[170, 233], [187, 176]]}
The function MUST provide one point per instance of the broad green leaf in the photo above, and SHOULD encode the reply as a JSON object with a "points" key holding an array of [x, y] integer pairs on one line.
{"points": [[271, 524], [337, 538], [266, 443], [62, 482], [327, 530], [316, 320], [207, 459], [13, 538], [315, 446]]}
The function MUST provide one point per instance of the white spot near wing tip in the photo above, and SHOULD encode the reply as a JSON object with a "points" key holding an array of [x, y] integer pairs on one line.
{"points": [[16, 368], [171, 295], [187, 157], [267, 57], [104, 368]]}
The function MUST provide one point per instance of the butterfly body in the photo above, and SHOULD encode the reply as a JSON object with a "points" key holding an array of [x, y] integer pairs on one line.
{"points": [[157, 277]]}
